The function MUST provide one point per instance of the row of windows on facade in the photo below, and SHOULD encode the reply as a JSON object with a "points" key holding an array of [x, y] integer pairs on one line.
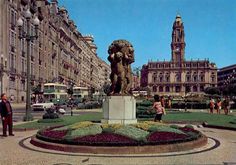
{"points": [[178, 79], [178, 73], [13, 59], [13, 39], [173, 65], [177, 89]]}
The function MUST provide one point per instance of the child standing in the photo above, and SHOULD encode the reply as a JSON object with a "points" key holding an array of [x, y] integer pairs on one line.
{"points": [[158, 108]]}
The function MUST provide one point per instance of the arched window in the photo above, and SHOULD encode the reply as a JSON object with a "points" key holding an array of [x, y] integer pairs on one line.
{"points": [[177, 77], [177, 88], [201, 88], [167, 77], [194, 78], [154, 77], [187, 89], [202, 78], [154, 89], [161, 78], [167, 89], [194, 88], [160, 88]]}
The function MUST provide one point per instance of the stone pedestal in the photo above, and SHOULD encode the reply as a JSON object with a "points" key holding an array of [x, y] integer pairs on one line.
{"points": [[119, 110]]}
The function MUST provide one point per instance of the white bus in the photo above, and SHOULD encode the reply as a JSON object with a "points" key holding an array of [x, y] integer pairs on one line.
{"points": [[55, 92], [80, 92]]}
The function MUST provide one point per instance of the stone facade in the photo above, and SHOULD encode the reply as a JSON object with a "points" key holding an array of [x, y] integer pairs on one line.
{"points": [[226, 76], [60, 54], [178, 76]]}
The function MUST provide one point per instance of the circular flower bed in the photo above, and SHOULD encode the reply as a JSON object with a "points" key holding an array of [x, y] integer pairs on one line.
{"points": [[144, 133]]}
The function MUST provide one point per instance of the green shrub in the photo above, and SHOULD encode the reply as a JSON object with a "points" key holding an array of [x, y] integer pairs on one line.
{"points": [[161, 128], [50, 120], [62, 128], [112, 126], [82, 124], [175, 126], [108, 130], [194, 135], [143, 107], [145, 125], [189, 126], [133, 132], [146, 103], [90, 130]]}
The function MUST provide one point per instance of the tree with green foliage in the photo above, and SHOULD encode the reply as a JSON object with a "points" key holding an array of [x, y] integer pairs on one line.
{"points": [[212, 91]]}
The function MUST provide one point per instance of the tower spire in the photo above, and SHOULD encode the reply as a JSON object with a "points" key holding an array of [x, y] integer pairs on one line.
{"points": [[178, 43]]}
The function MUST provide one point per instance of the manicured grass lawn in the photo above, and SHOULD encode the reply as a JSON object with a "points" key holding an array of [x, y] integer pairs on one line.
{"points": [[67, 120], [212, 119]]}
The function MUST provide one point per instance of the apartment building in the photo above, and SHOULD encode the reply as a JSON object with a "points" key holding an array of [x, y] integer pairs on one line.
{"points": [[59, 54]]}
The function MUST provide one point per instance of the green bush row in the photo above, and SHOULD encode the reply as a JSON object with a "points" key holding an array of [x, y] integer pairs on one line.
{"points": [[90, 130], [50, 120], [156, 128], [133, 132]]}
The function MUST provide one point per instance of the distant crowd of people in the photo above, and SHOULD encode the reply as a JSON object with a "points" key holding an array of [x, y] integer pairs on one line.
{"points": [[218, 105]]}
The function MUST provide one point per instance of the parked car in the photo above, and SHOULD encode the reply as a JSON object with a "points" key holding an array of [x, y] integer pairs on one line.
{"points": [[42, 106], [61, 111]]}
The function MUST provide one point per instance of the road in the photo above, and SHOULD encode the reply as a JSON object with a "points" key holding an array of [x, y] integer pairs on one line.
{"points": [[19, 112]]}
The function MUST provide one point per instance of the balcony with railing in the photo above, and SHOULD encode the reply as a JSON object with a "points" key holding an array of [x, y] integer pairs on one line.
{"points": [[24, 2], [23, 74], [23, 53], [32, 77], [32, 58], [13, 70], [13, 48], [13, 26], [40, 62]]}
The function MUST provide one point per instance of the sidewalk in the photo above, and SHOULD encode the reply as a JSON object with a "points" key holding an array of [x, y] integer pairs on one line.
{"points": [[18, 105], [18, 151]]}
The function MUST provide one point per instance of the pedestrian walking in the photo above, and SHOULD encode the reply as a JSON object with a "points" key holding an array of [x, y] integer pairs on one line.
{"points": [[226, 105], [218, 106], [212, 105], [160, 110], [162, 101], [6, 115], [169, 102]]}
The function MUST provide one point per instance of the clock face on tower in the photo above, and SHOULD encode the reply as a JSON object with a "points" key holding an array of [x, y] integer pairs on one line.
{"points": [[177, 49]]}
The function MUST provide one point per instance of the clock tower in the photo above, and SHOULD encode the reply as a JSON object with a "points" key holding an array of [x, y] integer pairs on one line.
{"points": [[178, 43]]}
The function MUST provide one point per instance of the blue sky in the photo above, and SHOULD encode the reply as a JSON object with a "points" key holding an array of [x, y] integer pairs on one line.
{"points": [[210, 27]]}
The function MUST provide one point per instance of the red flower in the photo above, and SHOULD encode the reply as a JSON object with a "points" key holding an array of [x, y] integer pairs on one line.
{"points": [[165, 136]]}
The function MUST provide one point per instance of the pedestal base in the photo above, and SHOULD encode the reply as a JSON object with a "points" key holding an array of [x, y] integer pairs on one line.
{"points": [[119, 110]]}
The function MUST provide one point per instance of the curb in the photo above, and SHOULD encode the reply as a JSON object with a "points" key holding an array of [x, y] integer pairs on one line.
{"points": [[217, 127], [22, 129], [146, 149]]}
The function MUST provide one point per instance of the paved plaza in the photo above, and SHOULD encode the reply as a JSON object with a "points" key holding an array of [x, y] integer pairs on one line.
{"points": [[221, 149]]}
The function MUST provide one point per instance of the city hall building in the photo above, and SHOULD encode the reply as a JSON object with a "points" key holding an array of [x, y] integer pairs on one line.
{"points": [[178, 76]]}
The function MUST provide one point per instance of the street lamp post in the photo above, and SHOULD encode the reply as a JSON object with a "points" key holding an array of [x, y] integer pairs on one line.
{"points": [[29, 37]]}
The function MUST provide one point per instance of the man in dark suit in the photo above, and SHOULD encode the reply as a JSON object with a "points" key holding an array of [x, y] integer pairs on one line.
{"points": [[6, 115]]}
